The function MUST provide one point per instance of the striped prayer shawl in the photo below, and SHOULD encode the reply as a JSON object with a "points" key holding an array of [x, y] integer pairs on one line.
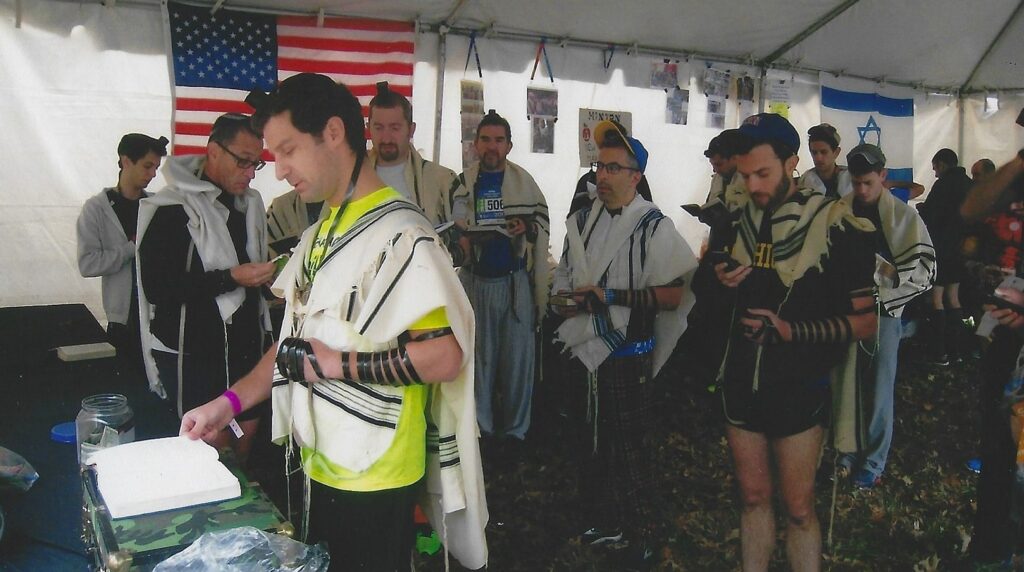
{"points": [[639, 248], [800, 232], [912, 251]]}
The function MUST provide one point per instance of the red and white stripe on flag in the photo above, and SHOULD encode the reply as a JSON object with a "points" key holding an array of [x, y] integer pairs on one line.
{"points": [[356, 52]]}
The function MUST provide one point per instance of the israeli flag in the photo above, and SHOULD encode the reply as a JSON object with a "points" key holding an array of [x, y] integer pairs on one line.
{"points": [[866, 112]]}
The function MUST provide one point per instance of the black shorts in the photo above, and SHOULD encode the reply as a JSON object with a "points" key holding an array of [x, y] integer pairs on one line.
{"points": [[778, 408], [372, 531], [949, 269]]}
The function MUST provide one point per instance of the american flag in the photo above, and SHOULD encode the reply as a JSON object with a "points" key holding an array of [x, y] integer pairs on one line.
{"points": [[219, 57]]}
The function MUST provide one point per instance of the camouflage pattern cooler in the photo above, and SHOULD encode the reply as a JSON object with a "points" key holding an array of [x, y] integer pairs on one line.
{"points": [[142, 542]]}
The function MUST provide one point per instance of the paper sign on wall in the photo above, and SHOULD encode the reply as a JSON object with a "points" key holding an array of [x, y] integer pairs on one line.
{"points": [[589, 118]]}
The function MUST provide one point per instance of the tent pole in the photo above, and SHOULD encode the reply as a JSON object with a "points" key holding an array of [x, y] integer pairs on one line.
{"points": [[999, 36], [760, 89], [961, 104], [814, 27], [442, 58]]}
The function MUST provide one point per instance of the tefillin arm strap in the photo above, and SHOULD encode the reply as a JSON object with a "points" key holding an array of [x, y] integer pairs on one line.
{"points": [[389, 367]]}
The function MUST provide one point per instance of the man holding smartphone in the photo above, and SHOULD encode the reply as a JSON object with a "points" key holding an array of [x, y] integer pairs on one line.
{"points": [[802, 295], [622, 268]]}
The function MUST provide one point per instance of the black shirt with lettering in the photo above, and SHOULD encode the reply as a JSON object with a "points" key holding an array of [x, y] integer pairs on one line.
{"points": [[818, 294]]}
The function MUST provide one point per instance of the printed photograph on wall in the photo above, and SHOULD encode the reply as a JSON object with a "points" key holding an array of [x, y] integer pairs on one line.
{"points": [[542, 110], [745, 88], [677, 106], [716, 113], [543, 102], [543, 129], [664, 75], [472, 108], [715, 83]]}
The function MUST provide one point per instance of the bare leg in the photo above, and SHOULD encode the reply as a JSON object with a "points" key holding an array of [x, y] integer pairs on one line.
{"points": [[753, 472], [952, 295], [938, 349], [796, 456]]}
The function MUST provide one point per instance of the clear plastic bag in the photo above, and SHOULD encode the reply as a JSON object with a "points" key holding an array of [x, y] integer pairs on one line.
{"points": [[247, 549], [16, 474]]}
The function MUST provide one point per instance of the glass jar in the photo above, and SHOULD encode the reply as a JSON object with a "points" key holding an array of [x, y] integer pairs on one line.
{"points": [[105, 420]]}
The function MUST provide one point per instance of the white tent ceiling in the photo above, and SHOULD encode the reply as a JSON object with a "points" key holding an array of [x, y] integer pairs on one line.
{"points": [[942, 45]]}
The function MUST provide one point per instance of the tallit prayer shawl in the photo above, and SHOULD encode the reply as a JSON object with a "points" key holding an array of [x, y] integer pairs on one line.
{"points": [[287, 218], [914, 258], [912, 251], [380, 276], [800, 232], [812, 180], [734, 195], [520, 196], [800, 237], [207, 225], [637, 249], [429, 184]]}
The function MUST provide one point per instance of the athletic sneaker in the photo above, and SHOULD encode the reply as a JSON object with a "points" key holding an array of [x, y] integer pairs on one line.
{"points": [[598, 536], [865, 479], [974, 465]]}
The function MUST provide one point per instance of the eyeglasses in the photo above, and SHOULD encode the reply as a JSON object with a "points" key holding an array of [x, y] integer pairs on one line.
{"points": [[242, 162], [612, 168]]}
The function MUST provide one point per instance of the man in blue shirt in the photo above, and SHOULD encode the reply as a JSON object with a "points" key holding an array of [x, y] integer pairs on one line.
{"points": [[504, 220]]}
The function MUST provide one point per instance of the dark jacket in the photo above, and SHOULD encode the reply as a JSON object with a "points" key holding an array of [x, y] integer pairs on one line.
{"points": [[941, 211]]}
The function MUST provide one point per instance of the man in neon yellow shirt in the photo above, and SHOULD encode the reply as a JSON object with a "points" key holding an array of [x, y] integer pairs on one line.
{"points": [[373, 376]]}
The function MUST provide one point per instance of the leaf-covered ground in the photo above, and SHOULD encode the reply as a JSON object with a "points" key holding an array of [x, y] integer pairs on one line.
{"points": [[918, 519]]}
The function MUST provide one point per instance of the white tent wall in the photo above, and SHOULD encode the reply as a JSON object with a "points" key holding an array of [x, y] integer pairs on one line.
{"points": [[996, 135], [677, 170], [77, 76], [936, 123]]}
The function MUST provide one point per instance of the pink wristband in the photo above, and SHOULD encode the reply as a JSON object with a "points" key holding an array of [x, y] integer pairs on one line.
{"points": [[236, 403]]}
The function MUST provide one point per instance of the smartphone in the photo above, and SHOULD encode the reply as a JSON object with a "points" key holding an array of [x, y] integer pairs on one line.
{"points": [[279, 262], [692, 209], [1000, 302], [719, 256]]}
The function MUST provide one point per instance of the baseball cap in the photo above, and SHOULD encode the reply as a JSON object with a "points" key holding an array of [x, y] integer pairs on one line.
{"points": [[765, 127], [871, 154], [636, 148], [824, 132]]}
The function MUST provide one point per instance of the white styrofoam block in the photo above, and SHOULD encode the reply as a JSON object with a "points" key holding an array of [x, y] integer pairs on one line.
{"points": [[86, 351]]}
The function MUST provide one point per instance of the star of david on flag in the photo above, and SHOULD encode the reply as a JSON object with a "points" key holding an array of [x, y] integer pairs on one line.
{"points": [[865, 112], [218, 58]]}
